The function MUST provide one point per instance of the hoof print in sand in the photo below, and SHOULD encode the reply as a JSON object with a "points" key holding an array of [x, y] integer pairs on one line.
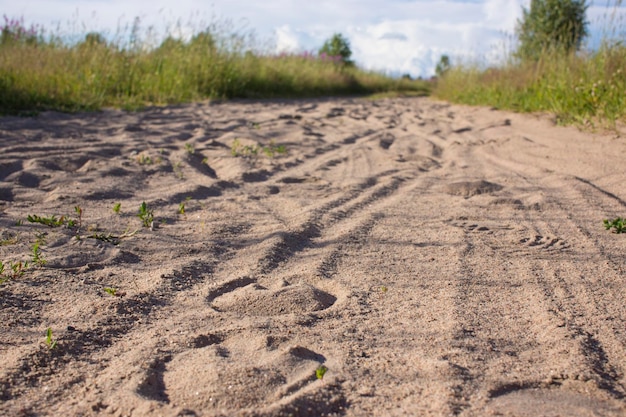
{"points": [[201, 379], [548, 402], [205, 340], [473, 227], [386, 141], [25, 179], [258, 301], [84, 252], [471, 188], [543, 242], [507, 202]]}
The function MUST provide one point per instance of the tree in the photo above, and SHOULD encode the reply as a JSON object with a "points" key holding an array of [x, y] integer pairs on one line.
{"points": [[337, 46], [94, 38], [443, 66], [551, 25]]}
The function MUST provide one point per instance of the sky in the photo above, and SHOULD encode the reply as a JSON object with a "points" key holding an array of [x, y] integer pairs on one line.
{"points": [[393, 36]]}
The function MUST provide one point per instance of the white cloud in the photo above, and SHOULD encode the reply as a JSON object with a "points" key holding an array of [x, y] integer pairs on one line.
{"points": [[502, 14], [286, 39]]}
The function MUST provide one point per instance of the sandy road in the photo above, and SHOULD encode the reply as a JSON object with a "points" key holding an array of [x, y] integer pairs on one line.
{"points": [[437, 260]]}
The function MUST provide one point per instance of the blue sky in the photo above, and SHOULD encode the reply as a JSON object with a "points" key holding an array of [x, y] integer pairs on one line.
{"points": [[395, 36]]}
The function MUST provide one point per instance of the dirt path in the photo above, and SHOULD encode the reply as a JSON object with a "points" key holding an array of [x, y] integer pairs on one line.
{"points": [[435, 259]]}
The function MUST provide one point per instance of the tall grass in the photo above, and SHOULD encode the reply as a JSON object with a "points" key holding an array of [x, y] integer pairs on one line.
{"points": [[587, 88], [39, 74]]}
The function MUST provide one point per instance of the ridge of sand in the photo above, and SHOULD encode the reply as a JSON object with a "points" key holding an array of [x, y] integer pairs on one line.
{"points": [[438, 260]]}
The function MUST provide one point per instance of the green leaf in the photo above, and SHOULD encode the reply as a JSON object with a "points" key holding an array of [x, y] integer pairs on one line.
{"points": [[321, 371]]}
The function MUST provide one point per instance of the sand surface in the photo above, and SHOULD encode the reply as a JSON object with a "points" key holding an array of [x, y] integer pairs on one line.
{"points": [[438, 260]]}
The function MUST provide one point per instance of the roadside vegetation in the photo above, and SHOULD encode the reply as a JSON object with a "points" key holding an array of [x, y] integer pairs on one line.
{"points": [[43, 71], [548, 72]]}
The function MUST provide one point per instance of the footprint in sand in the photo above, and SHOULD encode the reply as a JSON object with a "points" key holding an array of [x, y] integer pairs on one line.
{"points": [[244, 370], [471, 188], [545, 242], [548, 402], [256, 300]]}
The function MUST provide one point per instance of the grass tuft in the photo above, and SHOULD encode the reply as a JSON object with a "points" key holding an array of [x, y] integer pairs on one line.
{"points": [[45, 73], [587, 89]]}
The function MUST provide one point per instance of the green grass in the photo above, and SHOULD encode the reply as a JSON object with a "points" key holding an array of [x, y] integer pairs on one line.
{"points": [[37, 73], [146, 215], [50, 341], [618, 225], [587, 89], [50, 221], [15, 270], [321, 371]]}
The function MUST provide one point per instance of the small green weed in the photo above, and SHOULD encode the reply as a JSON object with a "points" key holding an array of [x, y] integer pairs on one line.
{"points": [[19, 222], [320, 372], [111, 238], [8, 239], [245, 151], [36, 254], [50, 342], [178, 170], [17, 270], [144, 159], [272, 150], [40, 237], [181, 208], [110, 291], [106, 237], [117, 207], [50, 221], [79, 212], [190, 148], [252, 151], [618, 225], [146, 215]]}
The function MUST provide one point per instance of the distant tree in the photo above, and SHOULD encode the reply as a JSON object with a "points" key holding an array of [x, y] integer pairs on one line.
{"points": [[337, 46], [551, 25], [94, 38], [442, 66]]}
